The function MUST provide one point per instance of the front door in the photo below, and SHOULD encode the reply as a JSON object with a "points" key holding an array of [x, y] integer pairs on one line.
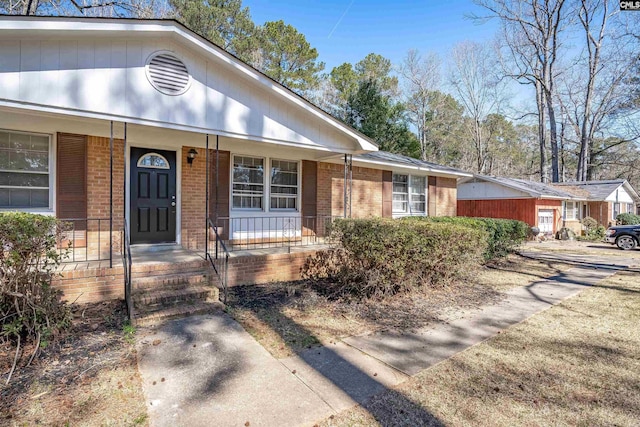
{"points": [[153, 196]]}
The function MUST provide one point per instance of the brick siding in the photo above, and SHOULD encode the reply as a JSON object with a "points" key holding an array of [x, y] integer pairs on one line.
{"points": [[98, 200], [84, 284], [193, 200], [366, 191], [443, 197]]}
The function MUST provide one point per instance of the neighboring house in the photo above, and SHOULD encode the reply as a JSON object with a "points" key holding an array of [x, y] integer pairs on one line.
{"points": [[143, 126], [603, 200], [535, 203]]}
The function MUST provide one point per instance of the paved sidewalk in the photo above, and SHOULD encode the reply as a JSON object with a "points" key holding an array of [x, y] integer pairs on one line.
{"points": [[208, 371], [216, 374]]}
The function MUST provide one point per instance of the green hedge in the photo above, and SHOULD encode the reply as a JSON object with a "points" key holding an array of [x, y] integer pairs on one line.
{"points": [[378, 257], [503, 235], [628, 219]]}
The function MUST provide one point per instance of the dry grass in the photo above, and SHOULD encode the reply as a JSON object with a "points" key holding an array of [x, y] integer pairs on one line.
{"points": [[90, 378], [575, 364], [582, 248], [515, 270], [287, 318]]}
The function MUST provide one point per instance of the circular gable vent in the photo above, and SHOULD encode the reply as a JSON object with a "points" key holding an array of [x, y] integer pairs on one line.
{"points": [[168, 74]]}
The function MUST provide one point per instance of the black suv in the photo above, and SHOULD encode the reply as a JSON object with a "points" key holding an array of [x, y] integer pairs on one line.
{"points": [[625, 237]]}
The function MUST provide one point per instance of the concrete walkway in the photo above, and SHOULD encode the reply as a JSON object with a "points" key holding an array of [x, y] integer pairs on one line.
{"points": [[207, 371]]}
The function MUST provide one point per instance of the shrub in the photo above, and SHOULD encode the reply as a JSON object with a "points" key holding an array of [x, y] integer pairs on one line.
{"points": [[593, 231], [628, 219], [503, 235], [29, 307], [378, 257]]}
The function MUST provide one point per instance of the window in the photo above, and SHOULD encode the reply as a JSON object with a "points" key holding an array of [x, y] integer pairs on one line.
{"points": [[284, 184], [571, 211], [409, 194], [616, 210], [24, 170], [248, 182], [400, 193], [418, 194], [630, 208], [153, 161]]}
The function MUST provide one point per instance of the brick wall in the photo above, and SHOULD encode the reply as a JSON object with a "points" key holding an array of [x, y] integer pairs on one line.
{"points": [[98, 189], [91, 284], [84, 284], [193, 200], [601, 212], [266, 268], [443, 194], [366, 196]]}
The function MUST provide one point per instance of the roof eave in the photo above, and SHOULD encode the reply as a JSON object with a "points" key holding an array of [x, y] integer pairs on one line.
{"points": [[440, 172], [175, 28]]}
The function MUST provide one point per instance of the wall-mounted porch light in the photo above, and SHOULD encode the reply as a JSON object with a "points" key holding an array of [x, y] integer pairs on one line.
{"points": [[191, 155]]}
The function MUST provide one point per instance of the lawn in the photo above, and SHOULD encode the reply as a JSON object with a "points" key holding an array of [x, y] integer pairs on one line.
{"points": [[289, 317], [576, 364], [89, 378], [582, 248]]}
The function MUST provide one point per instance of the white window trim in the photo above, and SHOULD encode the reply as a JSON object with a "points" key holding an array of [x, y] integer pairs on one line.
{"points": [[52, 174], [575, 211], [266, 194], [409, 193], [167, 167], [613, 209], [264, 189], [298, 186]]}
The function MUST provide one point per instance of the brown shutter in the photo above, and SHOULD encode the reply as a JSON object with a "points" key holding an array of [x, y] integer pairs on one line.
{"points": [[387, 194], [433, 196], [71, 177], [219, 200], [309, 205], [309, 187]]}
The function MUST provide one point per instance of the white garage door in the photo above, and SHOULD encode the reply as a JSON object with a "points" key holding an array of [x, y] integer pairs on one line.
{"points": [[545, 221]]}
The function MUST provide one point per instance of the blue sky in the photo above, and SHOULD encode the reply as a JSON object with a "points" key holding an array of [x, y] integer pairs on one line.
{"points": [[346, 31]]}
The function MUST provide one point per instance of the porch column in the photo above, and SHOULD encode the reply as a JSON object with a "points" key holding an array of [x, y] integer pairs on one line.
{"points": [[111, 198], [348, 184], [206, 209], [217, 179], [124, 181]]}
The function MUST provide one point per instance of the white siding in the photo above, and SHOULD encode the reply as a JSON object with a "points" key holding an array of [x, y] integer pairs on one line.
{"points": [[107, 76], [488, 190], [620, 195]]}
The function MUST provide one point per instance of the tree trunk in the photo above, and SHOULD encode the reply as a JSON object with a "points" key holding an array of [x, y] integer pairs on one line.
{"points": [[542, 133], [553, 138]]}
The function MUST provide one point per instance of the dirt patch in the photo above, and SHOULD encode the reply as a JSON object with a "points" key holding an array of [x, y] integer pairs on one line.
{"points": [[89, 377], [577, 363], [289, 317]]}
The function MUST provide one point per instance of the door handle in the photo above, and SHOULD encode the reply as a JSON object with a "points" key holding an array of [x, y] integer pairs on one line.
{"points": [[173, 204]]}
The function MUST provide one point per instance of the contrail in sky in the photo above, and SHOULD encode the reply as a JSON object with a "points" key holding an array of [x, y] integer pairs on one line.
{"points": [[341, 18]]}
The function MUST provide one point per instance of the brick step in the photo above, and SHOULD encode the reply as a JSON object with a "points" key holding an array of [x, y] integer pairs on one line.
{"points": [[171, 280], [177, 311], [164, 297], [162, 268]]}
